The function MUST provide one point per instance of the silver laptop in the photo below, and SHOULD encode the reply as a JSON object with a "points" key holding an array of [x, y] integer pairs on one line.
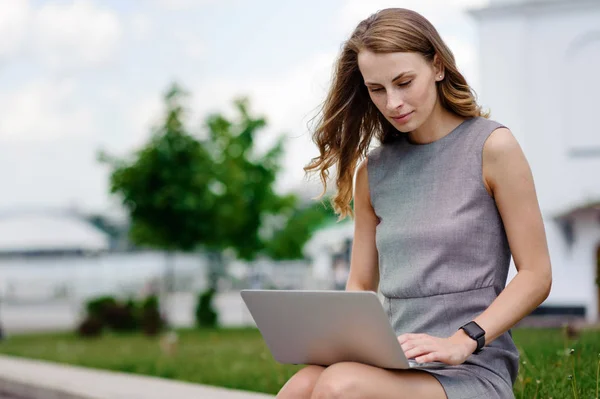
{"points": [[327, 327]]}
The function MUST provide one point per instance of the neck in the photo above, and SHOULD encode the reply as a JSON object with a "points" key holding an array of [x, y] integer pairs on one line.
{"points": [[440, 123]]}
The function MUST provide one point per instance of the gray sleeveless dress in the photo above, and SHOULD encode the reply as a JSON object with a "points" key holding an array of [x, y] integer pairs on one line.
{"points": [[443, 250]]}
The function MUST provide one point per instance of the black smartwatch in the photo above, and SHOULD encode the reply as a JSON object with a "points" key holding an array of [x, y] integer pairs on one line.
{"points": [[474, 331]]}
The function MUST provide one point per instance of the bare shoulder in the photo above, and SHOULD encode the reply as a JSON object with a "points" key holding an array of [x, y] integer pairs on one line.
{"points": [[500, 143], [501, 154]]}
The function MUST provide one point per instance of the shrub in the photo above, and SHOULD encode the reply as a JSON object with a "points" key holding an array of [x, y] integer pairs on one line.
{"points": [[151, 320], [97, 307], [206, 315], [107, 312], [117, 316], [121, 317], [90, 327]]}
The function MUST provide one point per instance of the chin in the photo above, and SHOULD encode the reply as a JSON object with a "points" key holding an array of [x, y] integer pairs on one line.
{"points": [[404, 127]]}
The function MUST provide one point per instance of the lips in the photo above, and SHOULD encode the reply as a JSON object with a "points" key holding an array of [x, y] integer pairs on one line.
{"points": [[401, 116]]}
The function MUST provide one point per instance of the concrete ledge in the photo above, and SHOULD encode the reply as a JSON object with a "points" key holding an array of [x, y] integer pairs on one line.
{"points": [[34, 379]]}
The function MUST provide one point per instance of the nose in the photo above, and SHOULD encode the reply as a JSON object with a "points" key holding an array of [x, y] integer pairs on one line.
{"points": [[394, 100]]}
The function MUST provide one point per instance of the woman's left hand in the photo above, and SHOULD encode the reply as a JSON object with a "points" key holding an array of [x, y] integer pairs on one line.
{"points": [[425, 348]]}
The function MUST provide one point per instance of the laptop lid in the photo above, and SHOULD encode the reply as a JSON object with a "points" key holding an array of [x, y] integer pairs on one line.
{"points": [[325, 327]]}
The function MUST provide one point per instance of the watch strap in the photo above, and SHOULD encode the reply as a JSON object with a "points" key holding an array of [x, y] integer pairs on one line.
{"points": [[475, 332]]}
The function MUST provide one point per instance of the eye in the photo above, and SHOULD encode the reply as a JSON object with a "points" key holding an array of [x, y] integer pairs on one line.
{"points": [[374, 90], [405, 83]]}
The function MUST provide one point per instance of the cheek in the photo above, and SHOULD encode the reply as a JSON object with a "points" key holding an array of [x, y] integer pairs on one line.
{"points": [[422, 95], [379, 101]]}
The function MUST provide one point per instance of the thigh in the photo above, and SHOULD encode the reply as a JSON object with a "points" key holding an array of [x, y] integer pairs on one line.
{"points": [[301, 384], [355, 380]]}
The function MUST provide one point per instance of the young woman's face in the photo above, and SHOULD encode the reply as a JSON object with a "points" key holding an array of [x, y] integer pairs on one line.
{"points": [[401, 85]]}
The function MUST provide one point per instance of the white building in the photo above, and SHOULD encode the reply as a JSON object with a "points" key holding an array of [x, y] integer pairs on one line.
{"points": [[325, 245], [47, 255], [540, 76], [41, 232]]}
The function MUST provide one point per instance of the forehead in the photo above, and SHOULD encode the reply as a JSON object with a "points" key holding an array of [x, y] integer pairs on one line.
{"points": [[383, 67]]}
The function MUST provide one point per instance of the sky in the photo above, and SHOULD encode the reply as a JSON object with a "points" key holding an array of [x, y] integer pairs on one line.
{"points": [[81, 76]]}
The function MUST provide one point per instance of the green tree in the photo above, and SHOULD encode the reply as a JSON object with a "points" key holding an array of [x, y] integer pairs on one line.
{"points": [[212, 191]]}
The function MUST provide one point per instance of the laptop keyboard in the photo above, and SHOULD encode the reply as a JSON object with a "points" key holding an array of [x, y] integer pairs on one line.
{"points": [[413, 363]]}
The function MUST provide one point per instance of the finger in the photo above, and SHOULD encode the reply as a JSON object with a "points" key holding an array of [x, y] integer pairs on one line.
{"points": [[412, 336], [419, 351], [416, 342], [429, 357], [405, 337]]}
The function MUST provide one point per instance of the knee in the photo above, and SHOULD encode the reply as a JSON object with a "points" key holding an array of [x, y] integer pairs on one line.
{"points": [[301, 385], [336, 382]]}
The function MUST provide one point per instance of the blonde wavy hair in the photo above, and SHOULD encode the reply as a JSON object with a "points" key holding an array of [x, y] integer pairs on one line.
{"points": [[348, 119]]}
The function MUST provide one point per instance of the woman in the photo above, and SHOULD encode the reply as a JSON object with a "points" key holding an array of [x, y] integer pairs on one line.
{"points": [[438, 207]]}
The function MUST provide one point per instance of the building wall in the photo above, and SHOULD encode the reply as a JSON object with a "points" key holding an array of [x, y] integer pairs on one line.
{"points": [[539, 65], [578, 261]]}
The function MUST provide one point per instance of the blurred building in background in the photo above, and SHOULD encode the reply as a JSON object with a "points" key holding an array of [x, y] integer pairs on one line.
{"points": [[329, 251], [62, 255], [30, 234]]}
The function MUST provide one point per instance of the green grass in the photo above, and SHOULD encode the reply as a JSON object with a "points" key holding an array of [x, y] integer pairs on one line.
{"points": [[238, 358], [546, 356]]}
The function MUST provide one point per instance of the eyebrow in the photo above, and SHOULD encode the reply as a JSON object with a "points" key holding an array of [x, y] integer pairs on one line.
{"points": [[393, 80]]}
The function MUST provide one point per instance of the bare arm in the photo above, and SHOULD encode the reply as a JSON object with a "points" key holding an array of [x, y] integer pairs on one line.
{"points": [[364, 266], [508, 177]]}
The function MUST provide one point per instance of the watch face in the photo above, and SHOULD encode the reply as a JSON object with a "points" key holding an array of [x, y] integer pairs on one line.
{"points": [[474, 330]]}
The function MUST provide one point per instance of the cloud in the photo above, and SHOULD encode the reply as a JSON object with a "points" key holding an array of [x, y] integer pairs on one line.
{"points": [[54, 173], [143, 116], [59, 35], [140, 25], [193, 47], [179, 5], [194, 50], [14, 19], [43, 111], [75, 35], [439, 13]]}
